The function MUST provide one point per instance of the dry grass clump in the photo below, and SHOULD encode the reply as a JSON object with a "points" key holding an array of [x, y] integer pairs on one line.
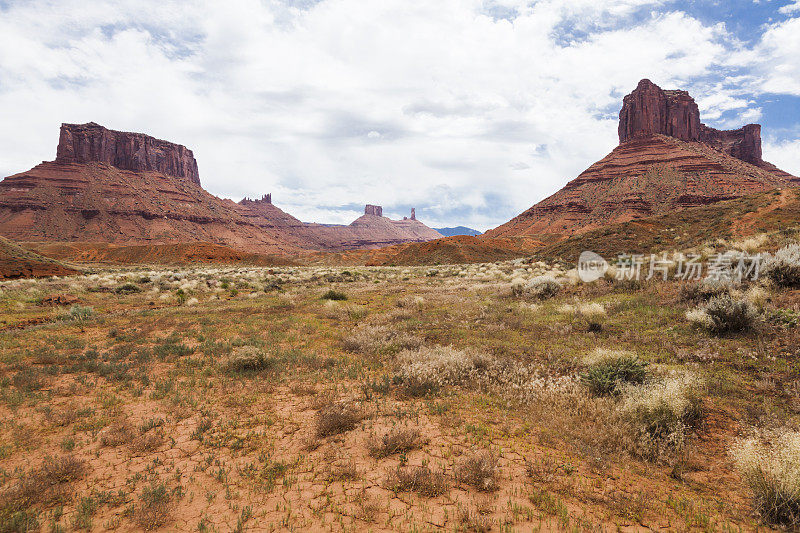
{"points": [[543, 287], [397, 440], [372, 340], [419, 479], [42, 485], [117, 434], [784, 267], [704, 290], [663, 412], [334, 419], [609, 370], [155, 508], [770, 466], [426, 370], [246, 359], [724, 314], [480, 471]]}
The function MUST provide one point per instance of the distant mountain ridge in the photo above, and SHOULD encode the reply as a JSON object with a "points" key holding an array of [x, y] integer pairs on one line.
{"points": [[458, 230], [132, 189]]}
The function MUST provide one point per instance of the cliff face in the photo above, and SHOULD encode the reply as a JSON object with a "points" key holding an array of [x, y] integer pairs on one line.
{"points": [[87, 143], [649, 110], [666, 160]]}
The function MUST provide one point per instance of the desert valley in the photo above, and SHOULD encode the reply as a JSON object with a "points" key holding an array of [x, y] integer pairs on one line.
{"points": [[624, 355]]}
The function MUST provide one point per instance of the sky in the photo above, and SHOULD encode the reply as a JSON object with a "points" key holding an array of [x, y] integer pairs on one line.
{"points": [[469, 110]]}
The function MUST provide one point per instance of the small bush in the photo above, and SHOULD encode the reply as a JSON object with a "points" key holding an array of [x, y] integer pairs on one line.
{"points": [[663, 412], [154, 510], [704, 290], [419, 479], [77, 313], [724, 314], [44, 484], [334, 295], [246, 359], [428, 369], [479, 471], [128, 288], [398, 440], [608, 370], [771, 469], [373, 340], [335, 419], [784, 267], [543, 287]]}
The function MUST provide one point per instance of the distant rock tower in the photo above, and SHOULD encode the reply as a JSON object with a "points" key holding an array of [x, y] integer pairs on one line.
{"points": [[375, 210], [266, 199], [413, 214]]}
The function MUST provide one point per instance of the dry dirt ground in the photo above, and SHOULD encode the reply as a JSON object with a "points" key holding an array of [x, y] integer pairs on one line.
{"points": [[430, 399]]}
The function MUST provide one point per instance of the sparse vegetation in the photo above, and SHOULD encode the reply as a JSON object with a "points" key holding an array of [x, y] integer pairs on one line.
{"points": [[770, 466], [784, 266], [335, 418], [608, 371], [419, 384], [542, 287], [724, 314], [419, 479]]}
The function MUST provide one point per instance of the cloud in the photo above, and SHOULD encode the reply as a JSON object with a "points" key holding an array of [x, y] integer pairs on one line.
{"points": [[469, 110]]}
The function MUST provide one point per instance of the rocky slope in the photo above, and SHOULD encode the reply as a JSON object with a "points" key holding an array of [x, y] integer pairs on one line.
{"points": [[666, 160], [132, 189], [17, 262]]}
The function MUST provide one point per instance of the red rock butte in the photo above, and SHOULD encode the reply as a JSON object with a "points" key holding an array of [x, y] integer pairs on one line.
{"points": [[667, 159], [109, 186], [86, 143]]}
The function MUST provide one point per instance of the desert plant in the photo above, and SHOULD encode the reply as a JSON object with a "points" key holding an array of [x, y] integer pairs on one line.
{"points": [[334, 295], [426, 370], [770, 466], [543, 287], [154, 509], [246, 359], [724, 314], [663, 412], [419, 479], [334, 419], [397, 440], [608, 370], [702, 291], [784, 266], [479, 470], [373, 340], [128, 288], [77, 313]]}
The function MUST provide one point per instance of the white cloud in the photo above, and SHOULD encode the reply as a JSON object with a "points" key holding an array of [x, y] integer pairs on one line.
{"points": [[471, 110]]}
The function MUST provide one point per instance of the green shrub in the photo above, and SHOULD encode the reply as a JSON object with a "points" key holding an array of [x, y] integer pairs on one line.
{"points": [[784, 267], [334, 295], [724, 314], [128, 288], [543, 287], [606, 375]]}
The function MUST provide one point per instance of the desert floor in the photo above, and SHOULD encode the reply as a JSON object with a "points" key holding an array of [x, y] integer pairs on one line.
{"points": [[431, 398]]}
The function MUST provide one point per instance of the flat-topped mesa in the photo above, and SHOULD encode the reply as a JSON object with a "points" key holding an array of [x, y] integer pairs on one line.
{"points": [[375, 210], [266, 199], [650, 110], [85, 143]]}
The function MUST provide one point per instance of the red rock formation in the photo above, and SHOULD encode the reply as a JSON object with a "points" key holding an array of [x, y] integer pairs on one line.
{"points": [[666, 160], [413, 214], [374, 210], [114, 187], [649, 110], [86, 143]]}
